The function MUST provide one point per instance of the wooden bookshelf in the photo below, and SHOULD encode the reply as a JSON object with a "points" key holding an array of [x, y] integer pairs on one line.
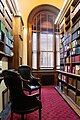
{"points": [[8, 9], [69, 28], [69, 84], [72, 105], [6, 28], [6, 41], [18, 41]]}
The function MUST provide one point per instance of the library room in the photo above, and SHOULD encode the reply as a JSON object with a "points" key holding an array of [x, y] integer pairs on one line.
{"points": [[40, 60]]}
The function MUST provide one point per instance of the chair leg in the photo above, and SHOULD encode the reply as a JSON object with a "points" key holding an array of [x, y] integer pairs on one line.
{"points": [[11, 115], [40, 94], [39, 113], [22, 117]]}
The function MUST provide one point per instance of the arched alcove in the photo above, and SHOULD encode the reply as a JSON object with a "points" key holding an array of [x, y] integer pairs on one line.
{"points": [[47, 13]]}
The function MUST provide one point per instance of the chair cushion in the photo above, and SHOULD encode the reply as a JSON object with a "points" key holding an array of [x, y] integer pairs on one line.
{"points": [[34, 87]]}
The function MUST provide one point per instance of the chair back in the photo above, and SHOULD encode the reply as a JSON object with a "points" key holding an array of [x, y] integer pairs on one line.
{"points": [[24, 71], [13, 83]]}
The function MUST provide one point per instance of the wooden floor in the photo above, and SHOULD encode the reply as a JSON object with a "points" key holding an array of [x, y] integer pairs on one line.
{"points": [[68, 100]]}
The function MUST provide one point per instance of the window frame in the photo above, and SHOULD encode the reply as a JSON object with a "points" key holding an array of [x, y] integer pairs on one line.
{"points": [[39, 31]]}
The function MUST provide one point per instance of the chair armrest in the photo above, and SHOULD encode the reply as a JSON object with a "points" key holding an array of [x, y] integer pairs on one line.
{"points": [[36, 80], [24, 80], [34, 95], [35, 77]]}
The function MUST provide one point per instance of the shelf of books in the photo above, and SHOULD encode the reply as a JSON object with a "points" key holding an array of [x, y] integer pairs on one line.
{"points": [[69, 73], [6, 29], [69, 84], [8, 9]]}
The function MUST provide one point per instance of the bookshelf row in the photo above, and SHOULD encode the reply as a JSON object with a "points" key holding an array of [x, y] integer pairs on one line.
{"points": [[11, 40], [6, 15], [70, 39], [6, 29], [6, 41], [69, 31], [69, 84], [11, 32]]}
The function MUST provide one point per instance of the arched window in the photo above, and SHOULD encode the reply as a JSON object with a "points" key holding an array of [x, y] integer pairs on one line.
{"points": [[41, 34]]}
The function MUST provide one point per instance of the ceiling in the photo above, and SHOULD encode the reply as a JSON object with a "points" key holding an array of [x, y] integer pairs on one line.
{"points": [[26, 6]]}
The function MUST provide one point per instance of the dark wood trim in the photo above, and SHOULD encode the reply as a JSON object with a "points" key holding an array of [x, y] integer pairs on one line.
{"points": [[69, 74], [45, 7], [46, 73], [20, 18]]}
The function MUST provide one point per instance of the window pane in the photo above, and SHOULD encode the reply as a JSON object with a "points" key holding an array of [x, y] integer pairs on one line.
{"points": [[57, 52], [50, 59], [34, 60], [57, 42], [34, 41], [50, 23], [43, 42], [34, 51], [44, 22], [58, 60], [50, 42], [43, 59], [46, 44]]}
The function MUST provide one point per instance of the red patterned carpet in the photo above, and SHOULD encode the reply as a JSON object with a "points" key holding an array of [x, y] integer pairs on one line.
{"points": [[53, 107]]}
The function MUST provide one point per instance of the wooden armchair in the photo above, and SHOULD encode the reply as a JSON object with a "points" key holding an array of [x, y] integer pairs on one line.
{"points": [[20, 103], [32, 83]]}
